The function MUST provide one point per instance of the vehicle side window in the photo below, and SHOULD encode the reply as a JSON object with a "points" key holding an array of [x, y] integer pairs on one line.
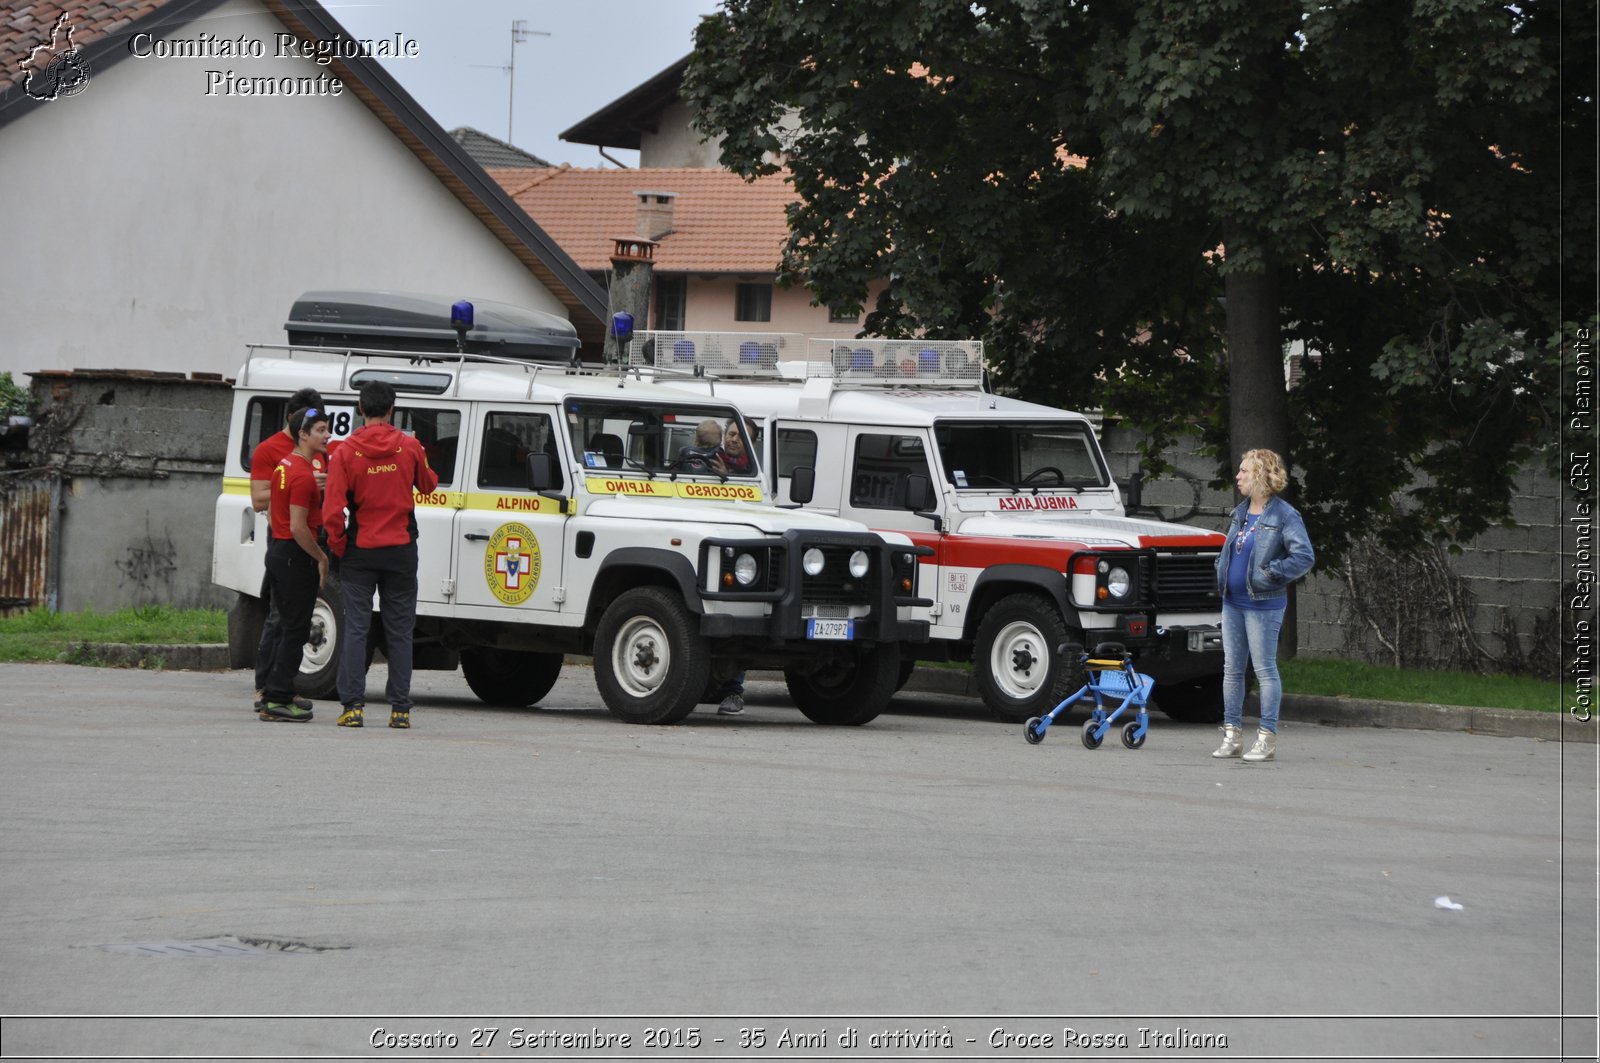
{"points": [[508, 439], [796, 447], [882, 464], [438, 431], [264, 416]]}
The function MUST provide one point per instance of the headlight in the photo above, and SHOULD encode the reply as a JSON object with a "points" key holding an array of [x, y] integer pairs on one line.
{"points": [[811, 561], [1118, 582], [745, 570], [859, 563]]}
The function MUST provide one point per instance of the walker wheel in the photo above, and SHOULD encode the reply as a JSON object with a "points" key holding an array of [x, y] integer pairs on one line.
{"points": [[1032, 731], [1128, 738], [1090, 739]]}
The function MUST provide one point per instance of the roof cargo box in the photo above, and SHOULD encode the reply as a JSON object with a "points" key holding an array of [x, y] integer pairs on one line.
{"points": [[404, 321]]}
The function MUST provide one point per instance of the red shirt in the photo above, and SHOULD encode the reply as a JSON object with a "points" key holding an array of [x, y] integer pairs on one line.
{"points": [[268, 453], [274, 449], [293, 484]]}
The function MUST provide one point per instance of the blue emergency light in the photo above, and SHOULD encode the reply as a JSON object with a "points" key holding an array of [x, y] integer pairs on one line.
{"points": [[622, 327]]}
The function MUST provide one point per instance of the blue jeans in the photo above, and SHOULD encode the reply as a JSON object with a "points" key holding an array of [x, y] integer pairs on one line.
{"points": [[1251, 634]]}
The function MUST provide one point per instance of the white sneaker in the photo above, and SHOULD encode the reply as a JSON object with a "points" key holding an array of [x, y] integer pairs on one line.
{"points": [[732, 705], [1266, 747], [1232, 742]]}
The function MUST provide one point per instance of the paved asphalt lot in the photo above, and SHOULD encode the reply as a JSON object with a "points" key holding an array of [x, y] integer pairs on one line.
{"points": [[931, 871]]}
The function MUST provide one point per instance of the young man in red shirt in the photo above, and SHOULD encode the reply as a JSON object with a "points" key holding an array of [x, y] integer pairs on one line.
{"points": [[370, 514], [296, 565], [268, 453]]}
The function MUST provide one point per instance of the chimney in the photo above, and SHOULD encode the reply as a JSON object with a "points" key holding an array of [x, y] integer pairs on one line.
{"points": [[653, 219]]}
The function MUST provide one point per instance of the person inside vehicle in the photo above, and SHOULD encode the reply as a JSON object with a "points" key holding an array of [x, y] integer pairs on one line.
{"points": [[732, 456], [703, 455]]}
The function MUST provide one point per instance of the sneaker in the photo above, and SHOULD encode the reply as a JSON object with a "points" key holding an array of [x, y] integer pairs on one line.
{"points": [[351, 716], [732, 705], [1266, 747], [273, 711], [1232, 742], [304, 703], [400, 718]]}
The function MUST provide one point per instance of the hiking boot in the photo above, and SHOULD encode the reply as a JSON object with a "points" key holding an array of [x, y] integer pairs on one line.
{"points": [[1266, 747], [1232, 742], [351, 716], [732, 705], [304, 703], [400, 718], [273, 711]]}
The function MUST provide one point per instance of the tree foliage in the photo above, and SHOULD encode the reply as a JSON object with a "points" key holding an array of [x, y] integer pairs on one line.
{"points": [[1137, 204]]}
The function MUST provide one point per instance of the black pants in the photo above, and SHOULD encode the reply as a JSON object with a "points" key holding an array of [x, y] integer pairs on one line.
{"points": [[293, 575], [267, 648], [391, 571]]}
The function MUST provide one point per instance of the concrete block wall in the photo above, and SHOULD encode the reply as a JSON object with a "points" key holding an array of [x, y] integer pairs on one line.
{"points": [[1513, 574], [141, 456]]}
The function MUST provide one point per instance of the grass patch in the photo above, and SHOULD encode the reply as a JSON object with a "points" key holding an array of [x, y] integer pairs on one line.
{"points": [[1380, 683], [1375, 682], [45, 636]]}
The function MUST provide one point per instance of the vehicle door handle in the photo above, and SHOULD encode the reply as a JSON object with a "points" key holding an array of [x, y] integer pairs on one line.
{"points": [[476, 537]]}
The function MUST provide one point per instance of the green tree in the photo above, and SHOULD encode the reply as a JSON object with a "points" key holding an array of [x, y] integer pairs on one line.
{"points": [[1137, 204]]}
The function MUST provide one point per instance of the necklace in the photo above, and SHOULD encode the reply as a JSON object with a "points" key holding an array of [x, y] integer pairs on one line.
{"points": [[1242, 539]]}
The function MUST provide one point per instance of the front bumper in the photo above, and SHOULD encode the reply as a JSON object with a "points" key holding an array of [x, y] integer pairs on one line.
{"points": [[791, 596]]}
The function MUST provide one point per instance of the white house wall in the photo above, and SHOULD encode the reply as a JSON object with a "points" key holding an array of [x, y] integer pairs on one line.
{"points": [[150, 226]]}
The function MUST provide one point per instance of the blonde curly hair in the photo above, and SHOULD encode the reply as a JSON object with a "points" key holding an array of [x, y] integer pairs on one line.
{"points": [[1267, 468]]}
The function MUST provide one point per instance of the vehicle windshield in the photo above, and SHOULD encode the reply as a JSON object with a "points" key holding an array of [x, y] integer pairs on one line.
{"points": [[662, 439], [1020, 455]]}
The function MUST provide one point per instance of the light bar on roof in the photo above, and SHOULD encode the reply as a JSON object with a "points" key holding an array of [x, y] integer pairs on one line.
{"points": [[941, 363], [719, 354]]}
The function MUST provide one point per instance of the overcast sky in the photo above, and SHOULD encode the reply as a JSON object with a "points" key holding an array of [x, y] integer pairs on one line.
{"points": [[597, 51]]}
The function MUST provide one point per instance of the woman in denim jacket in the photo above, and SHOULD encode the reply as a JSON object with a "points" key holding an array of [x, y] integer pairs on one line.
{"points": [[1267, 549]]}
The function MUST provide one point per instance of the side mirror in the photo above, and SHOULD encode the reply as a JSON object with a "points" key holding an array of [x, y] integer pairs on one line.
{"points": [[922, 500], [1133, 497], [920, 495], [802, 484], [541, 471]]}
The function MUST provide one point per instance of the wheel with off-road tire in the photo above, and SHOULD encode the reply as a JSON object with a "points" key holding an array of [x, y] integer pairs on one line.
{"points": [[513, 678], [907, 666], [318, 678], [650, 663], [1192, 701], [1019, 671], [847, 692], [245, 621]]}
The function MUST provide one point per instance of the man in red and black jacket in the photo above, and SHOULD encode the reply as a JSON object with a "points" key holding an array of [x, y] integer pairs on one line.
{"points": [[372, 478]]}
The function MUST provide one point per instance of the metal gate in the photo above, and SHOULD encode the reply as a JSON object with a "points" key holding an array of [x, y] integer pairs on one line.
{"points": [[27, 501]]}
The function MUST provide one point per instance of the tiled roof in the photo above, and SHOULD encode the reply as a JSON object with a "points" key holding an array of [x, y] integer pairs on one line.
{"points": [[25, 25], [490, 152], [720, 223]]}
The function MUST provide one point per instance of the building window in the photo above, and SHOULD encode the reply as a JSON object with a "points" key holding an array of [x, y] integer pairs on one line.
{"points": [[754, 303], [672, 297], [837, 316]]}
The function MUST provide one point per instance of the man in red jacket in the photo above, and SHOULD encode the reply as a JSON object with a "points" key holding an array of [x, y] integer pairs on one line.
{"points": [[371, 478]]}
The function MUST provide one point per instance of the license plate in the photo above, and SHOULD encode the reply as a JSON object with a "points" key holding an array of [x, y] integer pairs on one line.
{"points": [[819, 628]]}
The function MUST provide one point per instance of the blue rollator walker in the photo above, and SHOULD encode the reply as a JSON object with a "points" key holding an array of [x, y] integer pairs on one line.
{"points": [[1105, 678]]}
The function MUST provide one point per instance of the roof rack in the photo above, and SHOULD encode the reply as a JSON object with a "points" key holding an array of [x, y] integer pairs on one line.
{"points": [[422, 361], [780, 356]]}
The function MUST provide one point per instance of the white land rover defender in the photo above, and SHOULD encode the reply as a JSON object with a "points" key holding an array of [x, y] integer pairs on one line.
{"points": [[1029, 546], [573, 515]]}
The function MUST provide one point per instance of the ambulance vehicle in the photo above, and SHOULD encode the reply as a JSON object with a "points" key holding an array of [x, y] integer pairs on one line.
{"points": [[1029, 545], [573, 515]]}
